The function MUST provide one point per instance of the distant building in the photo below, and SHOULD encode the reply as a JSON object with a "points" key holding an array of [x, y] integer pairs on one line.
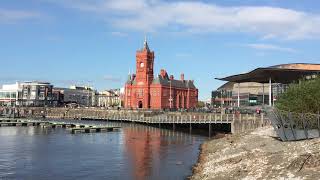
{"points": [[79, 95], [11, 94], [273, 80], [122, 96], [32, 93], [250, 94], [109, 98], [36, 93], [143, 90], [57, 97], [222, 96]]}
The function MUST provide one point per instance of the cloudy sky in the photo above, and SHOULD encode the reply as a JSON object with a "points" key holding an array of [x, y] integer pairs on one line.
{"points": [[93, 42]]}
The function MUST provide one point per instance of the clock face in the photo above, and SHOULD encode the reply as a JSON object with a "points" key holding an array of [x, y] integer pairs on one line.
{"points": [[142, 64]]}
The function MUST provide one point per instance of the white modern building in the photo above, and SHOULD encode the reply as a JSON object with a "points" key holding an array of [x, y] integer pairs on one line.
{"points": [[33, 93], [10, 94]]}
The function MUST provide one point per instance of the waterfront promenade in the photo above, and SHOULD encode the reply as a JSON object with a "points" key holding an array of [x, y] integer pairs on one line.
{"points": [[233, 123]]}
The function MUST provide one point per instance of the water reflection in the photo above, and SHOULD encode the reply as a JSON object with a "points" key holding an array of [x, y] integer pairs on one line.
{"points": [[141, 146], [134, 152], [155, 152]]}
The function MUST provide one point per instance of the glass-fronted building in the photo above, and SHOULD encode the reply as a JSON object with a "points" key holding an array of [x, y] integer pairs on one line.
{"points": [[275, 79], [250, 94], [10, 94], [36, 94], [26, 94]]}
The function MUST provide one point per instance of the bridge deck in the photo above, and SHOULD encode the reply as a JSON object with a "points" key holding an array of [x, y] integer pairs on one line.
{"points": [[237, 122]]}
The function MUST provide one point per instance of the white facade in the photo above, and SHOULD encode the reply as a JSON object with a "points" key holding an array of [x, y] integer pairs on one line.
{"points": [[10, 94], [109, 98], [26, 94]]}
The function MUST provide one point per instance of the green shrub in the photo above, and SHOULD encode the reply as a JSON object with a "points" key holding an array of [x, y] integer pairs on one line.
{"points": [[302, 97]]}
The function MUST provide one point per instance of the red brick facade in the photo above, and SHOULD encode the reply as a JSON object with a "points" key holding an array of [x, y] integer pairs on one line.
{"points": [[143, 90]]}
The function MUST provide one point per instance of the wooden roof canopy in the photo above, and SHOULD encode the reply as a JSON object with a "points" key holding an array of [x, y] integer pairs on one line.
{"points": [[284, 73]]}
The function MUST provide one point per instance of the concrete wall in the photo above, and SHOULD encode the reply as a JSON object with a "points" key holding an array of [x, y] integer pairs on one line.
{"points": [[243, 125]]}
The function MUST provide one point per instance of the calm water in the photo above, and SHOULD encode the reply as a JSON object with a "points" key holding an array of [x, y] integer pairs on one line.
{"points": [[134, 152]]}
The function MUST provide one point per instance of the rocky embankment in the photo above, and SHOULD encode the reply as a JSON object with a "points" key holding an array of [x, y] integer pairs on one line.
{"points": [[258, 155]]}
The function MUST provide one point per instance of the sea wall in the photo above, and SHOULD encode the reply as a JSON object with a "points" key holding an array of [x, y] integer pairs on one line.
{"points": [[240, 125]]}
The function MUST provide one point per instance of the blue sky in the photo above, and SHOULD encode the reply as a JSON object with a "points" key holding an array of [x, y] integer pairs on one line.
{"points": [[94, 41]]}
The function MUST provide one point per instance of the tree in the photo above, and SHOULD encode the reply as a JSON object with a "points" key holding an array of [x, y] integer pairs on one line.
{"points": [[302, 97], [201, 104]]}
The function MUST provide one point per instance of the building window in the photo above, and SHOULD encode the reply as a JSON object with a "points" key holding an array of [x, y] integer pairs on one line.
{"points": [[139, 92]]}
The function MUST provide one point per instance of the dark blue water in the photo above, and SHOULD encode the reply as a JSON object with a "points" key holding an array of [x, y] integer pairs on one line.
{"points": [[134, 152]]}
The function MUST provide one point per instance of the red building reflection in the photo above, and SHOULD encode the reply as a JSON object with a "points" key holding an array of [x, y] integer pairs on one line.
{"points": [[142, 146]]}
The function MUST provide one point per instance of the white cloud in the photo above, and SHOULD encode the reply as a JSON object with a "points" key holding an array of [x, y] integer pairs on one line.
{"points": [[13, 16], [119, 34], [270, 47], [200, 17]]}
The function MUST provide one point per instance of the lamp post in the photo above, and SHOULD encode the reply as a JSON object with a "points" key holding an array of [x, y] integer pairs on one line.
{"points": [[10, 98], [170, 98], [88, 95], [278, 90], [238, 95], [263, 94], [221, 93], [270, 92]]}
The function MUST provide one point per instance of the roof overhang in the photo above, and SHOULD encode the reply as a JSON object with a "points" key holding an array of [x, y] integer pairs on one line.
{"points": [[277, 75]]}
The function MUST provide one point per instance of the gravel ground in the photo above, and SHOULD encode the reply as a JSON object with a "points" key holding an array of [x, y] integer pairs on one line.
{"points": [[258, 155]]}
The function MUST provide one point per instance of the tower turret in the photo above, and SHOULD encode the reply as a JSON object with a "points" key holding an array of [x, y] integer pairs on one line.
{"points": [[144, 66]]}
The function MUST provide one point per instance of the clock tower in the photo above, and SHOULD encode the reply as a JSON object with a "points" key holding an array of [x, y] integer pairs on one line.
{"points": [[144, 65], [144, 91]]}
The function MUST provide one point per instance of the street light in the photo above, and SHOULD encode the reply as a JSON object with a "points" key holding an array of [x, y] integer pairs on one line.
{"points": [[170, 99], [221, 99]]}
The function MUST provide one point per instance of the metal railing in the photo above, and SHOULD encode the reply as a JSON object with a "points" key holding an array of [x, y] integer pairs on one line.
{"points": [[157, 118], [295, 126]]}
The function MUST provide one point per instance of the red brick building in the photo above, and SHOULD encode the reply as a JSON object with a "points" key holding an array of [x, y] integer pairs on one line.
{"points": [[143, 90]]}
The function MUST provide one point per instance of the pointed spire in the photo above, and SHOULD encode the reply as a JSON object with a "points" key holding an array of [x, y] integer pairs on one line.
{"points": [[129, 75], [145, 44]]}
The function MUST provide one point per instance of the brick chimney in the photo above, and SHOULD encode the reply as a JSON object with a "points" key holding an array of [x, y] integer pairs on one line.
{"points": [[163, 73], [182, 77]]}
